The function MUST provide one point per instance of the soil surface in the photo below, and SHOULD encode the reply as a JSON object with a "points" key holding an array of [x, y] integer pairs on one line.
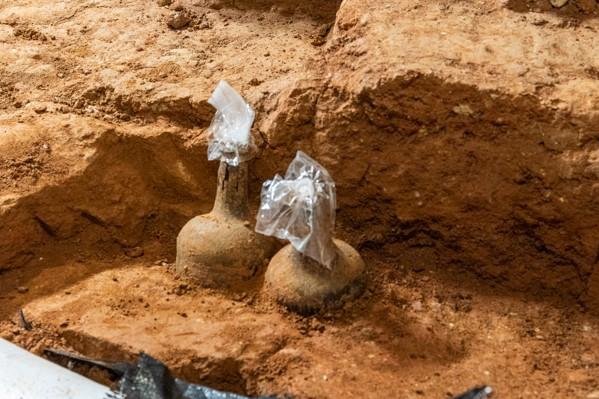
{"points": [[463, 138]]}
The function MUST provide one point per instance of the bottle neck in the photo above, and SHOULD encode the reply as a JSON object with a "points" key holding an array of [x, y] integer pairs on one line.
{"points": [[232, 191]]}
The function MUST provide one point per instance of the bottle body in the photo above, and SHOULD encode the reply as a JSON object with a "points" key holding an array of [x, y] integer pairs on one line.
{"points": [[220, 249], [304, 285]]}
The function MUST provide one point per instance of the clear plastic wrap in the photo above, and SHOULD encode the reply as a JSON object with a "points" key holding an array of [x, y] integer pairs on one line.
{"points": [[230, 139], [300, 208]]}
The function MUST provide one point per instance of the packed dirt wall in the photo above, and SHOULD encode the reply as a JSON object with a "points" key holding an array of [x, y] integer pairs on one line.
{"points": [[457, 133]]}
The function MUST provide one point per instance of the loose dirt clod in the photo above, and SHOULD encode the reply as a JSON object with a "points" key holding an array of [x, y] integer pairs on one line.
{"points": [[178, 20], [177, 6]]}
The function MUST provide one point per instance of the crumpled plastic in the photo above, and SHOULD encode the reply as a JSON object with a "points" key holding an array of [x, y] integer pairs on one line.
{"points": [[230, 140], [300, 208]]}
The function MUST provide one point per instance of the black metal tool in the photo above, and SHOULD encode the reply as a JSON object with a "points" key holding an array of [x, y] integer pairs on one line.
{"points": [[149, 379], [23, 322], [116, 368], [482, 392]]}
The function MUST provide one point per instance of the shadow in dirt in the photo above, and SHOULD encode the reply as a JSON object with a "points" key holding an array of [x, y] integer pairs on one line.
{"points": [[223, 374], [431, 345], [572, 10], [180, 110], [136, 192], [130, 201], [468, 175], [324, 11]]}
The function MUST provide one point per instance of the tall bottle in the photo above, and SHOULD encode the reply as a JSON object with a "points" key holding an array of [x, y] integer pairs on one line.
{"points": [[220, 249]]}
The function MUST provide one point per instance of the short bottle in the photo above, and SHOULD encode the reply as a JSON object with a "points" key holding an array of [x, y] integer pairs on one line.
{"points": [[302, 284], [314, 270]]}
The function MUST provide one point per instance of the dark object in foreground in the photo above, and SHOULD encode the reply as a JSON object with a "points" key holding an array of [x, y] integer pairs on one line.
{"points": [[115, 368], [23, 322], [482, 392], [150, 379]]}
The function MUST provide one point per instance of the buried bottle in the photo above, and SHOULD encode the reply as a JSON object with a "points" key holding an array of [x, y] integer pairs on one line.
{"points": [[220, 249], [315, 269]]}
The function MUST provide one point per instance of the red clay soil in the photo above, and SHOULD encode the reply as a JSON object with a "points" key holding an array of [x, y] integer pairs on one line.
{"points": [[463, 137], [416, 332]]}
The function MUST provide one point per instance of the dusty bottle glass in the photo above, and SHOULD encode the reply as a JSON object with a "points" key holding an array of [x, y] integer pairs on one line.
{"points": [[220, 249], [304, 285], [315, 269]]}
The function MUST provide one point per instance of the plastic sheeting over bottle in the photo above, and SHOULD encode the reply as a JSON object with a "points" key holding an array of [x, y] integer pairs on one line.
{"points": [[230, 139], [300, 208]]}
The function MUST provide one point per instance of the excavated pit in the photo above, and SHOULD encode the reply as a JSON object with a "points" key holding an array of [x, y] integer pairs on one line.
{"points": [[464, 140]]}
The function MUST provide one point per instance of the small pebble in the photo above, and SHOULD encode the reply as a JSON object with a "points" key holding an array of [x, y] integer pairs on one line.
{"points": [[558, 3], [239, 296], [22, 290], [40, 108], [134, 252]]}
